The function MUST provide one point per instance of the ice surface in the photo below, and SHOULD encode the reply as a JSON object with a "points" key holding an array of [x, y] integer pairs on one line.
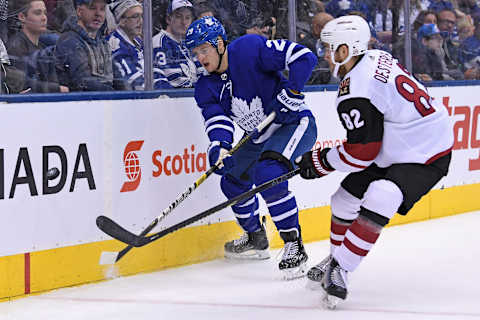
{"points": [[427, 270]]}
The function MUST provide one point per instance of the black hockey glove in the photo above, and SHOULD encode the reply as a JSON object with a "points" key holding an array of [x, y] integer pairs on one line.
{"points": [[314, 164]]}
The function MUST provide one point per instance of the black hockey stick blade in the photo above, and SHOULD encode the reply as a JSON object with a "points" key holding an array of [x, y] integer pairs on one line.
{"points": [[221, 206], [114, 230]]}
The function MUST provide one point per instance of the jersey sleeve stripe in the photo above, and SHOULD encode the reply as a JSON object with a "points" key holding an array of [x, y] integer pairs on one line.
{"points": [[218, 126], [439, 155], [218, 118], [352, 160], [288, 55], [297, 55], [363, 151], [341, 162], [344, 159]]}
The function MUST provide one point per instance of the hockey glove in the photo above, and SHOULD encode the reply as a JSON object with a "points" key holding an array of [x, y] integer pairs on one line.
{"points": [[314, 164], [287, 106], [219, 150]]}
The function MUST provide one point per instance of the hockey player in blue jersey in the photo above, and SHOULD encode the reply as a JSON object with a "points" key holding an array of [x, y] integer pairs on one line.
{"points": [[244, 85]]}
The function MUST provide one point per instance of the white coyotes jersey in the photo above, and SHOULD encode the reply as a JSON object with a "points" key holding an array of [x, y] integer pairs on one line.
{"points": [[417, 129]]}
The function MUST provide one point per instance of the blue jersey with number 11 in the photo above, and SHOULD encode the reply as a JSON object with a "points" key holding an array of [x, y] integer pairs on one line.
{"points": [[243, 93]]}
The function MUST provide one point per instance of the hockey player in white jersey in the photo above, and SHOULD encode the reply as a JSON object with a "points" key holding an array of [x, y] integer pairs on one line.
{"points": [[398, 146]]}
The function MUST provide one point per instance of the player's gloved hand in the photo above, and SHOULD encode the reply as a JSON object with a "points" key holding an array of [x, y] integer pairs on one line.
{"points": [[218, 150], [287, 106], [314, 164]]}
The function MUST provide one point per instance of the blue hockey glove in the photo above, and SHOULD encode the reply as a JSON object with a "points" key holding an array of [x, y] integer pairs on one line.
{"points": [[287, 106], [314, 164], [217, 150]]}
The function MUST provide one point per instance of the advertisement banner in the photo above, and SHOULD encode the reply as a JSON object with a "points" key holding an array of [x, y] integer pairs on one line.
{"points": [[130, 159]]}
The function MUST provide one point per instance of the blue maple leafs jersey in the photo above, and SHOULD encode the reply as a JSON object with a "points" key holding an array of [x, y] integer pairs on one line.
{"points": [[173, 66], [243, 93], [127, 57]]}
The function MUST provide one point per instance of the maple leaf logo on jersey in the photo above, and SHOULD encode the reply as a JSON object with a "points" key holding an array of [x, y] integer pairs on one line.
{"points": [[247, 116], [114, 43], [190, 71]]}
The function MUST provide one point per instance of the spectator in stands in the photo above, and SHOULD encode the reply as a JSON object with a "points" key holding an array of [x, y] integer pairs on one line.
{"points": [[159, 7], [469, 7], [426, 60], [127, 45], [204, 9], [447, 21], [3, 20], [339, 8], [11, 78], [84, 58], [439, 5], [321, 73], [265, 28], [465, 27], [424, 17], [31, 56], [470, 54], [173, 65], [58, 11]]}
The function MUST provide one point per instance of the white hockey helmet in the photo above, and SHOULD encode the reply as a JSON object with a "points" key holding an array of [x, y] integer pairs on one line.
{"points": [[352, 31]]}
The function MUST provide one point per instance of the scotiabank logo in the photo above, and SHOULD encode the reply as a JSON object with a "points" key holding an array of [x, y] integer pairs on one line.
{"points": [[466, 130], [131, 162], [186, 162]]}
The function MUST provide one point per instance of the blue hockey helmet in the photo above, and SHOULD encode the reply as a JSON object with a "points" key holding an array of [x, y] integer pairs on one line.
{"points": [[205, 29]]}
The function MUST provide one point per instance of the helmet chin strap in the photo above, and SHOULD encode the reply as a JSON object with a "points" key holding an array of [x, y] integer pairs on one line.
{"points": [[221, 58], [339, 64]]}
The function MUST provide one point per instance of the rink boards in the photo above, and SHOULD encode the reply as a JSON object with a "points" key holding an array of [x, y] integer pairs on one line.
{"points": [[129, 159]]}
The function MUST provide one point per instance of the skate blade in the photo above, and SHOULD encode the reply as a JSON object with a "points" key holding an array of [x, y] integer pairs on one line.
{"points": [[330, 302], [295, 273], [314, 285], [249, 255]]}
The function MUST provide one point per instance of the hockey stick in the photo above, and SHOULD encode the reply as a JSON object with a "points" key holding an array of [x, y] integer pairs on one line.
{"points": [[112, 257], [131, 239]]}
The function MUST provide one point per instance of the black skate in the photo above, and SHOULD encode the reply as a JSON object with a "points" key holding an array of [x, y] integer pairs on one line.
{"points": [[334, 283], [316, 273], [250, 246], [293, 264]]}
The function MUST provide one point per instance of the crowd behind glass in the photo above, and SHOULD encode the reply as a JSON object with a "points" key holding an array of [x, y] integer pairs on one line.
{"points": [[64, 46]]}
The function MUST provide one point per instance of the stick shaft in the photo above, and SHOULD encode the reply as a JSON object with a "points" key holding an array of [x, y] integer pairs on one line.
{"points": [[221, 206], [262, 125]]}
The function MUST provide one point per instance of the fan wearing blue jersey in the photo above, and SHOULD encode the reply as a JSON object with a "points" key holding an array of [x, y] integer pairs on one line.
{"points": [[244, 85], [127, 45], [173, 66]]}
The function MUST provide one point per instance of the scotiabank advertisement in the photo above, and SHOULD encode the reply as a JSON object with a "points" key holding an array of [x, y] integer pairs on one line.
{"points": [[130, 159]]}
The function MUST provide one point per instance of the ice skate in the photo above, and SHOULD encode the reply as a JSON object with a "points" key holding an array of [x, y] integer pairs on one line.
{"points": [[315, 274], [334, 284], [294, 259], [250, 246]]}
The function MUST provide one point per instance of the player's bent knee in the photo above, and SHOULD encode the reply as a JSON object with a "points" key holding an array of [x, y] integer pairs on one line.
{"points": [[344, 205], [268, 169], [379, 221], [232, 187], [383, 197]]}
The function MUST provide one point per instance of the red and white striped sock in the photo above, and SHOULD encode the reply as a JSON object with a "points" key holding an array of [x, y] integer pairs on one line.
{"points": [[358, 240], [338, 228]]}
